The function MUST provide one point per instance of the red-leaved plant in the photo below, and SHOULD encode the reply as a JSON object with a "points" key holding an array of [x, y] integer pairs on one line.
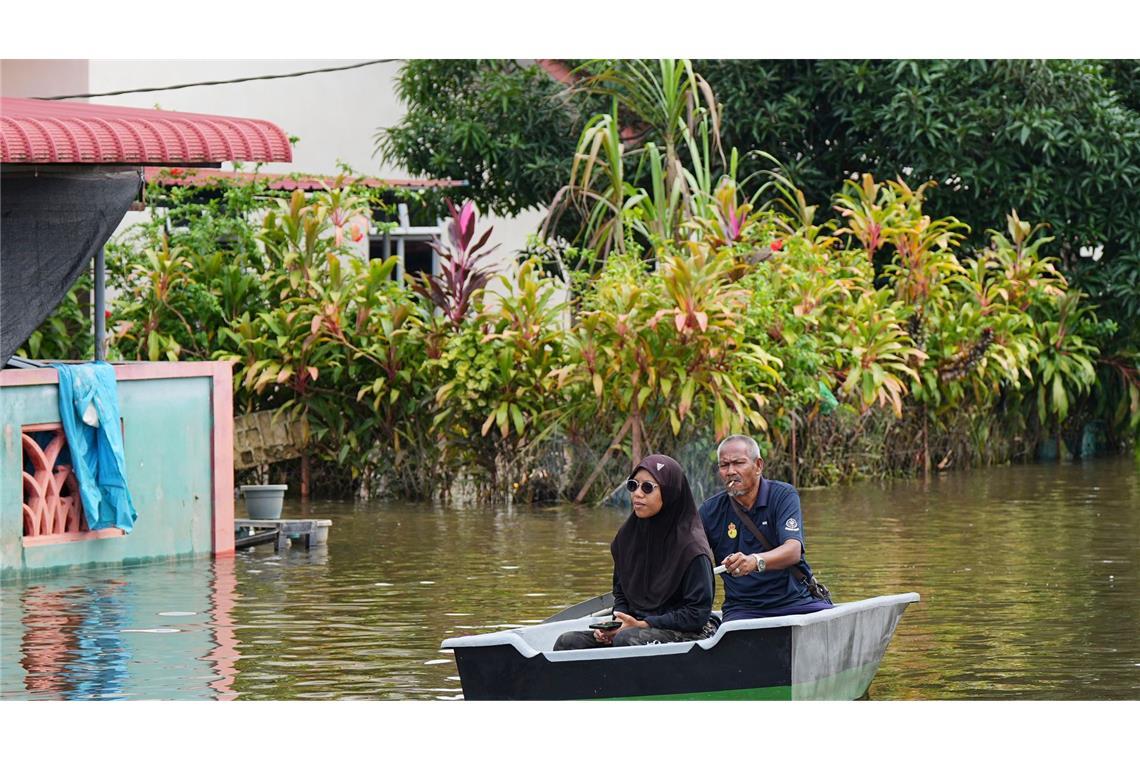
{"points": [[460, 272]]}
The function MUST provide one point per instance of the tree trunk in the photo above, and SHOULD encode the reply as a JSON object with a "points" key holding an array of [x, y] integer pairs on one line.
{"points": [[305, 475], [925, 444], [795, 468], [645, 440], [636, 447], [602, 462]]}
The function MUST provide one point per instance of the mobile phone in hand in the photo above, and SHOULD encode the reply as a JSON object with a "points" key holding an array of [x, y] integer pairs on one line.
{"points": [[608, 625]]}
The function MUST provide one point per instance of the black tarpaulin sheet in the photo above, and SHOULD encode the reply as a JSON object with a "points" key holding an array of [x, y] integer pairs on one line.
{"points": [[51, 224]]}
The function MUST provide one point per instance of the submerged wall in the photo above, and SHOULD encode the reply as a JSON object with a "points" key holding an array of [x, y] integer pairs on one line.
{"points": [[178, 443]]}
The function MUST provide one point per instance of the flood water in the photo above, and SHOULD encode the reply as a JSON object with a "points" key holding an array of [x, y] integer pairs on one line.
{"points": [[1029, 577]]}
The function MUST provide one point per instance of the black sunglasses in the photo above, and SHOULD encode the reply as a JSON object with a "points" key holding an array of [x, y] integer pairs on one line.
{"points": [[632, 485]]}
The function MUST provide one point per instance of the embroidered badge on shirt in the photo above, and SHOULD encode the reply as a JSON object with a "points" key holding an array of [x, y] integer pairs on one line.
{"points": [[732, 530], [791, 524]]}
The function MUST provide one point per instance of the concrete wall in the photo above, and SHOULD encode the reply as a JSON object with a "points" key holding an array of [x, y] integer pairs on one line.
{"points": [[178, 428]]}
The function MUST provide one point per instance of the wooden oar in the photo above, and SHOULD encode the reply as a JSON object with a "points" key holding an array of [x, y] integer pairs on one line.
{"points": [[597, 605]]}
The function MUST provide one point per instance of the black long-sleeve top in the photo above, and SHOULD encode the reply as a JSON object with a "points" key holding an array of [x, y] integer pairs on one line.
{"points": [[687, 609]]}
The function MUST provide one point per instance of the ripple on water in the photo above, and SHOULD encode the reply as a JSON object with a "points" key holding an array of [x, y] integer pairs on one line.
{"points": [[1001, 615]]}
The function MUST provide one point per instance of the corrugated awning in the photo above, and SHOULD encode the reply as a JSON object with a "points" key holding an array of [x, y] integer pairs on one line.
{"points": [[307, 182], [45, 132]]}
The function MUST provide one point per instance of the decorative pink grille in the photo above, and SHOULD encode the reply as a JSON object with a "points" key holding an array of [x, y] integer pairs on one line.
{"points": [[52, 504]]}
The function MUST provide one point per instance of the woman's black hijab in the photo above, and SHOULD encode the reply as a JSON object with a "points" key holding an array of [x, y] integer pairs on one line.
{"points": [[652, 554]]}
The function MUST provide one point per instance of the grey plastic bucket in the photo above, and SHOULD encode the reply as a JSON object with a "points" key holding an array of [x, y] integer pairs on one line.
{"points": [[264, 502]]}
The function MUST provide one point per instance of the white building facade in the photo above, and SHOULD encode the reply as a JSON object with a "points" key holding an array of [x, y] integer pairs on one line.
{"points": [[335, 114]]}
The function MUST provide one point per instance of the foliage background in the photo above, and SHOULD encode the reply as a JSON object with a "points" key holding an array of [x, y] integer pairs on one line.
{"points": [[1057, 140], [688, 288]]}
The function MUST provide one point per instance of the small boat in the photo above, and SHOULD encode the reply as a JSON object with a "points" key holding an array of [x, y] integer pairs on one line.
{"points": [[832, 654]]}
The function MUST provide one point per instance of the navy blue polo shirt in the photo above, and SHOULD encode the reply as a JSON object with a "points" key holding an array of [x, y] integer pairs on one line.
{"points": [[776, 513]]}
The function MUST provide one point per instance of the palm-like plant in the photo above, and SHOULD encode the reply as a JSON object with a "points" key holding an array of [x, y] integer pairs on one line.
{"points": [[659, 108], [869, 211], [661, 97], [597, 187], [525, 336], [500, 377], [1029, 277]]}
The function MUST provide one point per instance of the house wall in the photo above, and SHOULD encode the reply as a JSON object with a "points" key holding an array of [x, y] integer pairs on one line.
{"points": [[178, 433], [27, 78], [336, 115]]}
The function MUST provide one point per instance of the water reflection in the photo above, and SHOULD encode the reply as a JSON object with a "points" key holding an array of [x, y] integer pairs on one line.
{"points": [[72, 646], [162, 631], [1030, 578], [224, 655]]}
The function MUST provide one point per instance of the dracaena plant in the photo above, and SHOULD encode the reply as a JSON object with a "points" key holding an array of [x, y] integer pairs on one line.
{"points": [[1002, 333], [380, 329], [1062, 329], [799, 302], [348, 212], [730, 223], [463, 267], [499, 396], [167, 314], [1064, 366], [662, 353], [880, 353], [297, 355]]}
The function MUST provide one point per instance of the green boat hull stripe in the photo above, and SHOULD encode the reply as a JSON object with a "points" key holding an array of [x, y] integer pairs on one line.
{"points": [[850, 684], [766, 694]]}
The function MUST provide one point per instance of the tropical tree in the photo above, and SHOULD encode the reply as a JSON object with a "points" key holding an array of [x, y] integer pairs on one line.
{"points": [[507, 128], [1050, 138]]}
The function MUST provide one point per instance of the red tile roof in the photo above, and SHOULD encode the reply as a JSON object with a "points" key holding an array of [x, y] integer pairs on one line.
{"points": [[201, 177], [47, 132]]}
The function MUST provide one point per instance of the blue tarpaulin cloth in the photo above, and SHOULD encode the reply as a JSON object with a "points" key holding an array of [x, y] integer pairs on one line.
{"points": [[89, 410]]}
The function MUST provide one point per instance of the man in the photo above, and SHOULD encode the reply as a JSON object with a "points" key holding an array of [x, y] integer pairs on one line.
{"points": [[757, 582]]}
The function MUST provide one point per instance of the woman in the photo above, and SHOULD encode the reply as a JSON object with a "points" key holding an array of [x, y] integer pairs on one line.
{"points": [[663, 573]]}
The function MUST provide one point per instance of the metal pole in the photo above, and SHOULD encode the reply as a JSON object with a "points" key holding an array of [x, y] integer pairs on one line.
{"points": [[405, 223], [100, 308], [435, 263]]}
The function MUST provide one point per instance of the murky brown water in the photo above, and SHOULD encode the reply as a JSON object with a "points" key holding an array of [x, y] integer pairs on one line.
{"points": [[1029, 576]]}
